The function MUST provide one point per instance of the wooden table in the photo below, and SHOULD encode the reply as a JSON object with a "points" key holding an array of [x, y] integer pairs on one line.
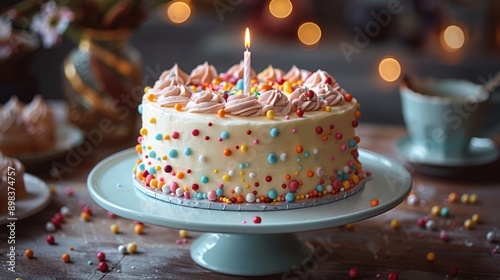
{"points": [[372, 246]]}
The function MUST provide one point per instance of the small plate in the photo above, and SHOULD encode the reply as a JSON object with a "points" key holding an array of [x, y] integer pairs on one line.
{"points": [[37, 198], [67, 137], [481, 151]]}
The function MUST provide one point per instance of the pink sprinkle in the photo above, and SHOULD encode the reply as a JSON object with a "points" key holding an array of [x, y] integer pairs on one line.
{"points": [[139, 139], [220, 139], [81, 204], [287, 117], [294, 130], [256, 141], [184, 240], [243, 222], [111, 214], [68, 191], [177, 241], [343, 147]]}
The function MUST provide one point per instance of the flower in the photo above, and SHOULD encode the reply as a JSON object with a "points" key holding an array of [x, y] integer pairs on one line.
{"points": [[51, 23]]}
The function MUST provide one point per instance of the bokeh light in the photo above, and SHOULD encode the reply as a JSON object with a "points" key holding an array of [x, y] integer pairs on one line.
{"points": [[280, 8], [453, 38], [178, 12], [389, 69], [309, 33]]}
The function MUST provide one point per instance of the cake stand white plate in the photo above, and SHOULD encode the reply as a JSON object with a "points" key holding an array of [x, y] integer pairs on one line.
{"points": [[67, 137], [37, 198], [236, 246]]}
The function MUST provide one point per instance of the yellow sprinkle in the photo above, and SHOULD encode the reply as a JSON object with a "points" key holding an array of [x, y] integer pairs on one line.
{"points": [[138, 229], [328, 108], [183, 233], [465, 198], [158, 168], [194, 88], [242, 172], [473, 198], [221, 113], [153, 183], [349, 226], [143, 131], [216, 171], [395, 224], [146, 88], [166, 137], [114, 228], [160, 184], [453, 197], [468, 224], [247, 186], [132, 248], [178, 107], [244, 148], [85, 216], [475, 218], [149, 147], [151, 97], [355, 179], [152, 120], [164, 157], [242, 179], [346, 185], [270, 114], [226, 178], [436, 210], [431, 256], [358, 105]]}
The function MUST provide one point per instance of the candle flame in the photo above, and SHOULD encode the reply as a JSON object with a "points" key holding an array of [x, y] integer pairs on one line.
{"points": [[247, 38]]}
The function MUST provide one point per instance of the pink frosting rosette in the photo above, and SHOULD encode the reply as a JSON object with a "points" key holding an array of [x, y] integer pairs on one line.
{"points": [[307, 100], [206, 101], [236, 72], [39, 120], [318, 77], [270, 74], [203, 74], [275, 100], [173, 75], [295, 75], [243, 105], [174, 94], [332, 95]]}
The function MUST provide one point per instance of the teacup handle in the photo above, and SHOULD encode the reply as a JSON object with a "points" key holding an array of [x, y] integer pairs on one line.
{"points": [[494, 102]]}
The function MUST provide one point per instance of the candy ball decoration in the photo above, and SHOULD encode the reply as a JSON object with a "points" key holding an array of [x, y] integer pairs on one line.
{"points": [[183, 233], [430, 225], [132, 248], [50, 239], [50, 227], [28, 253], [257, 220], [353, 272], [101, 256], [103, 267], [393, 276], [431, 256], [66, 258], [122, 249]]}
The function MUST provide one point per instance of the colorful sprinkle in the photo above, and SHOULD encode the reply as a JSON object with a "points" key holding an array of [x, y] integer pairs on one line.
{"points": [[274, 132]]}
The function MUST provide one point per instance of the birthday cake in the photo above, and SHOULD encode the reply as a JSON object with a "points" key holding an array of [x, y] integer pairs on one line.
{"points": [[289, 142]]}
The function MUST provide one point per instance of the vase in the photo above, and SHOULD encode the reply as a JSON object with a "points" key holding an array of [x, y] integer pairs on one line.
{"points": [[102, 83]]}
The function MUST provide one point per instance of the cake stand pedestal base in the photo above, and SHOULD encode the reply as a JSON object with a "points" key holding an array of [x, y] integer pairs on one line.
{"points": [[250, 254]]}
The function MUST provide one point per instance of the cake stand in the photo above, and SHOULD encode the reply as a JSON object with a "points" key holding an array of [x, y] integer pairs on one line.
{"points": [[236, 245]]}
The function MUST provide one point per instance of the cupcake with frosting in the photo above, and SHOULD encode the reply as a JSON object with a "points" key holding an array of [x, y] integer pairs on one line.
{"points": [[13, 168], [39, 123], [14, 137]]}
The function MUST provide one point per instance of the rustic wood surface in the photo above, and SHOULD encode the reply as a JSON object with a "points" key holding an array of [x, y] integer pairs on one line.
{"points": [[372, 246]]}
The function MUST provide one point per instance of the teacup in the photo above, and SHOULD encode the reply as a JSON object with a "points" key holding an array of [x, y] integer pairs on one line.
{"points": [[443, 115]]}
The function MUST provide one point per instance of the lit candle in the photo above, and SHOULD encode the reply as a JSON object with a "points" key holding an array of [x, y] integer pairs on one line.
{"points": [[247, 64]]}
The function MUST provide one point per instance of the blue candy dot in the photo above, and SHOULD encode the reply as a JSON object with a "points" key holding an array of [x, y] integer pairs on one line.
{"points": [[204, 196], [187, 151], [224, 135], [152, 154], [272, 158], [158, 136], [142, 166], [272, 194], [275, 132], [219, 192], [289, 197], [352, 143], [199, 195], [319, 188], [353, 167], [152, 170], [306, 154], [248, 164], [172, 153], [300, 167], [241, 166], [345, 177], [240, 84], [204, 179], [139, 108]]}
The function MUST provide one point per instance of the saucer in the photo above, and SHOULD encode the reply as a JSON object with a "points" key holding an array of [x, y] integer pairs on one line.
{"points": [[68, 137], [481, 151], [38, 198]]}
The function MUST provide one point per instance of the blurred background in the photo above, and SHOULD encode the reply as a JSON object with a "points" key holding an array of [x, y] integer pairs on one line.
{"points": [[366, 45]]}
